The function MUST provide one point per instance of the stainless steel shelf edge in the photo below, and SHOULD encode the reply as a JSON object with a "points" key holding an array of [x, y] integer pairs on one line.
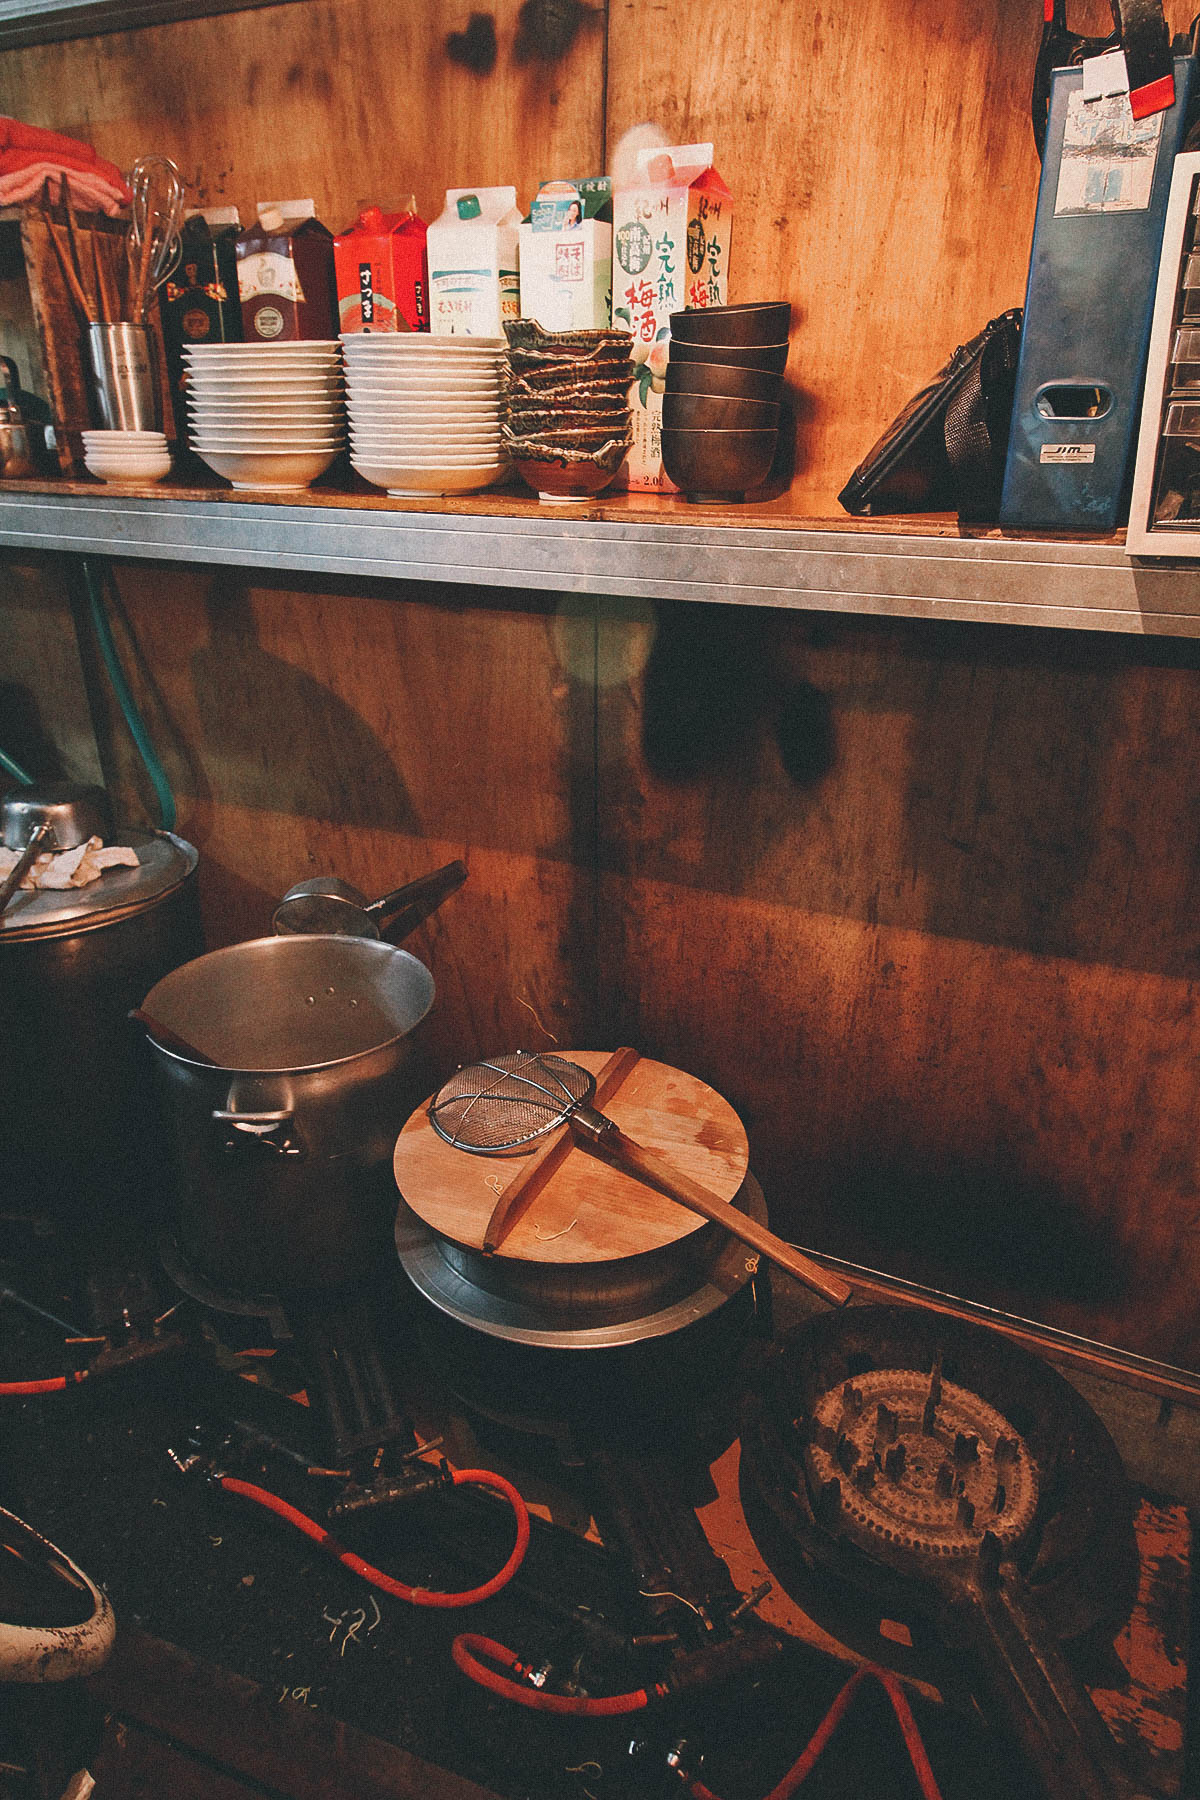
{"points": [[1007, 581]]}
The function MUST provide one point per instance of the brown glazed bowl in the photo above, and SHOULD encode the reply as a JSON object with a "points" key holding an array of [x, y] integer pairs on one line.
{"points": [[723, 378], [560, 474], [772, 357], [718, 465], [761, 322], [717, 412], [527, 336]]}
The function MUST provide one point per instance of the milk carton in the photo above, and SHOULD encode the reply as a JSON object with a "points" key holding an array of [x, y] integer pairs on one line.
{"points": [[473, 281], [671, 237], [382, 276], [566, 256]]}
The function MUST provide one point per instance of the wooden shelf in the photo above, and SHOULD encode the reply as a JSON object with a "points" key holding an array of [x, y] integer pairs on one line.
{"points": [[763, 554]]}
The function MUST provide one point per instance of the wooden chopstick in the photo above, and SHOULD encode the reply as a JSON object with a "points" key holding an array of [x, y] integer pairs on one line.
{"points": [[105, 290], [64, 189], [143, 275]]}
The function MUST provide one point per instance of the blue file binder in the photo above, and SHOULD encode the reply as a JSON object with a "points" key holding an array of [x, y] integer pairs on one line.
{"points": [[1097, 233]]}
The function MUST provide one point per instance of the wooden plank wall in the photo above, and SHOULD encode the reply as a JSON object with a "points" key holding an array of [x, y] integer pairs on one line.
{"points": [[920, 898]]}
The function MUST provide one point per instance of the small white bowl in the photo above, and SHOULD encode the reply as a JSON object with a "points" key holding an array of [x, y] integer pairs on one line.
{"points": [[127, 439], [280, 471], [128, 469]]}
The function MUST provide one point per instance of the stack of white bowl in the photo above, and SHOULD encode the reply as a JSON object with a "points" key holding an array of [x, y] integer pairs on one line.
{"points": [[425, 411], [127, 455], [266, 415]]}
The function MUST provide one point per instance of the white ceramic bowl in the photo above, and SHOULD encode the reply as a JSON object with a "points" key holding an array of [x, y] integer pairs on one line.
{"points": [[404, 454], [128, 440], [256, 348], [486, 387], [397, 435], [280, 471], [268, 415], [421, 343], [256, 442], [239, 381], [384, 356], [423, 416], [149, 468], [405, 483]]}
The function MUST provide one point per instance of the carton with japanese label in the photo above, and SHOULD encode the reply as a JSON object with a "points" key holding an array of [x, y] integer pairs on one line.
{"points": [[285, 274], [382, 271], [671, 235], [566, 256], [473, 280]]}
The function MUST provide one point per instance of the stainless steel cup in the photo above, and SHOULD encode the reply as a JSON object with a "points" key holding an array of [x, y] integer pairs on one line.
{"points": [[122, 377]]}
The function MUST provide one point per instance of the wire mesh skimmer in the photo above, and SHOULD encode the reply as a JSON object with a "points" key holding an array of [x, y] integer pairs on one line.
{"points": [[507, 1103]]}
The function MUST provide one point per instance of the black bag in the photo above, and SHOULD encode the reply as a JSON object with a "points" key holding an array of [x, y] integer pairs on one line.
{"points": [[945, 452]]}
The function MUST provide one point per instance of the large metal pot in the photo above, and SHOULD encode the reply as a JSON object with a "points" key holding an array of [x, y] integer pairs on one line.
{"points": [[75, 1141], [282, 1141]]}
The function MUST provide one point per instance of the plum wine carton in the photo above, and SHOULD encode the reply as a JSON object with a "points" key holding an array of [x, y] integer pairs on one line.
{"points": [[566, 256], [474, 283], [198, 302], [382, 271], [671, 236], [285, 274]]}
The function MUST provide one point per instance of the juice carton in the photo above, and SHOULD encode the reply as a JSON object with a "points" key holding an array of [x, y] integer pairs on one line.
{"points": [[671, 235], [473, 281], [285, 274], [382, 271], [199, 303], [566, 255]]}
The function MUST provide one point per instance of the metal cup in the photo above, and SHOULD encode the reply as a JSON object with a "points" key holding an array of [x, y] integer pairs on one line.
{"points": [[122, 378]]}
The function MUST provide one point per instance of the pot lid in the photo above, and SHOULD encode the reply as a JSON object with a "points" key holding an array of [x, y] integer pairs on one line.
{"points": [[588, 1211], [164, 861]]}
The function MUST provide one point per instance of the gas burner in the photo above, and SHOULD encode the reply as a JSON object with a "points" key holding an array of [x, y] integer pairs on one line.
{"points": [[215, 1297], [984, 1497], [919, 1464]]}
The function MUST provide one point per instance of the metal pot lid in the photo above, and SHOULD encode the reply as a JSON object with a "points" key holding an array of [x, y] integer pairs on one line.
{"points": [[164, 861]]}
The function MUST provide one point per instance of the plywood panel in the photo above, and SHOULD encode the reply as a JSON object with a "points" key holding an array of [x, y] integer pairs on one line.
{"points": [[884, 175], [920, 903], [335, 99]]}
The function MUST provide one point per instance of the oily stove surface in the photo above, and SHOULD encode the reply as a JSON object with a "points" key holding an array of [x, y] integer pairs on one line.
{"points": [[235, 1590]]}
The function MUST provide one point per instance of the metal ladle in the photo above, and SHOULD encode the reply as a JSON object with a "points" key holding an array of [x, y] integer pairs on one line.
{"points": [[327, 906], [49, 815]]}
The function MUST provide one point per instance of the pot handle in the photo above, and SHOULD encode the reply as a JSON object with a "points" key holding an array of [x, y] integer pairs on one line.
{"points": [[265, 1128]]}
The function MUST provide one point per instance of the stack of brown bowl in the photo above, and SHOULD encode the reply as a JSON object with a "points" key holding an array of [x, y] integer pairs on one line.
{"points": [[566, 422], [724, 389]]}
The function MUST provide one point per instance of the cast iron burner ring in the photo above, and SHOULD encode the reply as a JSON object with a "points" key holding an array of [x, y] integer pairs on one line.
{"points": [[920, 1463]]}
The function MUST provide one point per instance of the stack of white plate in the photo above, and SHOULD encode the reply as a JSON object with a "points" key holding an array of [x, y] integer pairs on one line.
{"points": [[425, 411], [127, 455], [266, 415]]}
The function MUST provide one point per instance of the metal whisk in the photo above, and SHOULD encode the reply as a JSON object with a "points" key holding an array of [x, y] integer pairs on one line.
{"points": [[507, 1102], [156, 219]]}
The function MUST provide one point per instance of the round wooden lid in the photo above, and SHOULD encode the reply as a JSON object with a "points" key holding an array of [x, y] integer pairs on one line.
{"points": [[587, 1212]]}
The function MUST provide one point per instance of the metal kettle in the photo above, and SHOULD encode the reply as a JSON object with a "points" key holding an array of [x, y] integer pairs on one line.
{"points": [[16, 455]]}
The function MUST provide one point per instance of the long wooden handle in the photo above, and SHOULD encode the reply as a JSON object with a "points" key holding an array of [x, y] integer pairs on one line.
{"points": [[537, 1169], [651, 1167]]}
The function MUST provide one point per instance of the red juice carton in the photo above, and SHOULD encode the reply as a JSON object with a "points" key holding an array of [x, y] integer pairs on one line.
{"points": [[382, 271], [672, 229]]}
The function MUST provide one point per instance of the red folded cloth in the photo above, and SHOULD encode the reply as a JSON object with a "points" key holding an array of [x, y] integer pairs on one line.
{"points": [[89, 190], [26, 146]]}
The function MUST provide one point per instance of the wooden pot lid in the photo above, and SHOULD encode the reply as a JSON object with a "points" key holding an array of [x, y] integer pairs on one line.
{"points": [[587, 1212]]}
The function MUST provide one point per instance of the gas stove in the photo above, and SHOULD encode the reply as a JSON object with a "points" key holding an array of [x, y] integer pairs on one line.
{"points": [[643, 1530]]}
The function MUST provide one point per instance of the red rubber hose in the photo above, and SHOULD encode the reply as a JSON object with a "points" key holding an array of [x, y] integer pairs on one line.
{"points": [[50, 1384], [468, 1647], [829, 1724], [387, 1583]]}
